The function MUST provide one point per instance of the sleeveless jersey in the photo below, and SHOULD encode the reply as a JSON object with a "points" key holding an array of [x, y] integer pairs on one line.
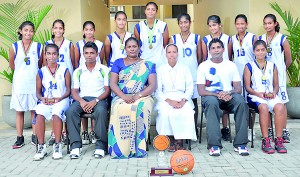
{"points": [[224, 38], [80, 45], [276, 55], [64, 54], [116, 50], [53, 86], [257, 83], [156, 54], [24, 79], [187, 52], [243, 54]]}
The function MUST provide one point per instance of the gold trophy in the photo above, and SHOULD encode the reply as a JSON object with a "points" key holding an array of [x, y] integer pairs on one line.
{"points": [[267, 94], [161, 143], [50, 98]]}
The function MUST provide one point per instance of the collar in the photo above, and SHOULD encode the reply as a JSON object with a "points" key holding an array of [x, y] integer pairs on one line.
{"points": [[97, 67]]}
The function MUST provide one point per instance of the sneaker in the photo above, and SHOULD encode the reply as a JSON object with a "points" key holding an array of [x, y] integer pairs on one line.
{"points": [[51, 140], [243, 150], [270, 133], [266, 146], [99, 153], [249, 135], [57, 154], [64, 138], [19, 143], [214, 151], [75, 153], [285, 136], [33, 139], [279, 145], [225, 134], [85, 138], [41, 152], [93, 137]]}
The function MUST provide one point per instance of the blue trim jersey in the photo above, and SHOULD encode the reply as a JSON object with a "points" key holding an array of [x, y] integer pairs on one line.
{"points": [[156, 54], [187, 52], [80, 45], [224, 38], [24, 79], [117, 49], [64, 54], [243, 54]]}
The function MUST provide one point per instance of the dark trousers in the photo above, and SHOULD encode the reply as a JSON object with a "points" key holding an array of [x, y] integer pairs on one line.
{"points": [[213, 109], [101, 123]]}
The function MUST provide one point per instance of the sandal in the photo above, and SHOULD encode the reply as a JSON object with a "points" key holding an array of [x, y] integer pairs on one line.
{"points": [[172, 148], [179, 146]]}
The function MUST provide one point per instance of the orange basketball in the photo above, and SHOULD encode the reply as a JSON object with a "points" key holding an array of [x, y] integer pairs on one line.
{"points": [[182, 162], [161, 142]]}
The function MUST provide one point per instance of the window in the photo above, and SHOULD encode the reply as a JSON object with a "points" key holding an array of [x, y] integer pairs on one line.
{"points": [[138, 12], [115, 9], [178, 9]]}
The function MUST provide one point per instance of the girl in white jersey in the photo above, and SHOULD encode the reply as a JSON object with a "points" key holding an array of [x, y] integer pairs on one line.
{"points": [[279, 52], [189, 53], [153, 35], [66, 58], [88, 35], [24, 59], [261, 82], [53, 88], [214, 26], [115, 42]]}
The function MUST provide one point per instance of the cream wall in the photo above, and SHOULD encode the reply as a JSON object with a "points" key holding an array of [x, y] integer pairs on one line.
{"points": [[73, 13]]}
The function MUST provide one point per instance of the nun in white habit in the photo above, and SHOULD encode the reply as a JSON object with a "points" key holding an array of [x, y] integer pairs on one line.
{"points": [[174, 104]]}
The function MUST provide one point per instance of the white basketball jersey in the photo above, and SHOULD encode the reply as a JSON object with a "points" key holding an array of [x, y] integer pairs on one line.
{"points": [[156, 54], [224, 38], [276, 55], [187, 52], [64, 54], [243, 54], [53, 86], [24, 79], [80, 45], [116, 50], [257, 83]]}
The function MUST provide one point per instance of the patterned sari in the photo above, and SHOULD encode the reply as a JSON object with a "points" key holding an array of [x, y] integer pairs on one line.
{"points": [[130, 123]]}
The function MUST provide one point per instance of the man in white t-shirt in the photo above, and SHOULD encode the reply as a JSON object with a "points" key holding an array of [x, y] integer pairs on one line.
{"points": [[90, 89], [219, 84]]}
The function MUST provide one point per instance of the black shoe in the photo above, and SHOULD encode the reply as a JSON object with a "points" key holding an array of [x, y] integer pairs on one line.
{"points": [[225, 134], [19, 143], [33, 139], [285, 136]]}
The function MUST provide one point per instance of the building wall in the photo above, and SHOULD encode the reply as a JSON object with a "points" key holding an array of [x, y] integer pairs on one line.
{"points": [[73, 13]]}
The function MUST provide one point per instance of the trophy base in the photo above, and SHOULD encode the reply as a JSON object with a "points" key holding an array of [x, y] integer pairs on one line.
{"points": [[161, 171], [50, 100]]}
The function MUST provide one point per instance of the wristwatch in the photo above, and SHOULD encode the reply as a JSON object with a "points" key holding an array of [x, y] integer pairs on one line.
{"points": [[97, 100]]}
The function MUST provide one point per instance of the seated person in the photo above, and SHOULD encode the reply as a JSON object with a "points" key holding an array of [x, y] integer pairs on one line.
{"points": [[174, 101], [261, 82], [133, 80], [219, 84], [53, 87], [90, 89]]}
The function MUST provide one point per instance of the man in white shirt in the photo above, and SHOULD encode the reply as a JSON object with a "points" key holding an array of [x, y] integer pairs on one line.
{"points": [[90, 89], [219, 84]]}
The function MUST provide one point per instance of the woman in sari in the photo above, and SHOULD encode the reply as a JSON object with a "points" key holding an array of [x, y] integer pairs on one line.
{"points": [[133, 80]]}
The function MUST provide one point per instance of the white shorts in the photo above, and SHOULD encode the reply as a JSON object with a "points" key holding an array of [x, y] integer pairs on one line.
{"points": [[283, 95], [23, 102], [58, 109], [195, 92], [271, 103]]}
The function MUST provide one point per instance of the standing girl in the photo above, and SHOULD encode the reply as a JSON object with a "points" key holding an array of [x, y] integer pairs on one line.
{"points": [[278, 52], [114, 44], [88, 35], [214, 26], [189, 53], [66, 57], [153, 35], [24, 59]]}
